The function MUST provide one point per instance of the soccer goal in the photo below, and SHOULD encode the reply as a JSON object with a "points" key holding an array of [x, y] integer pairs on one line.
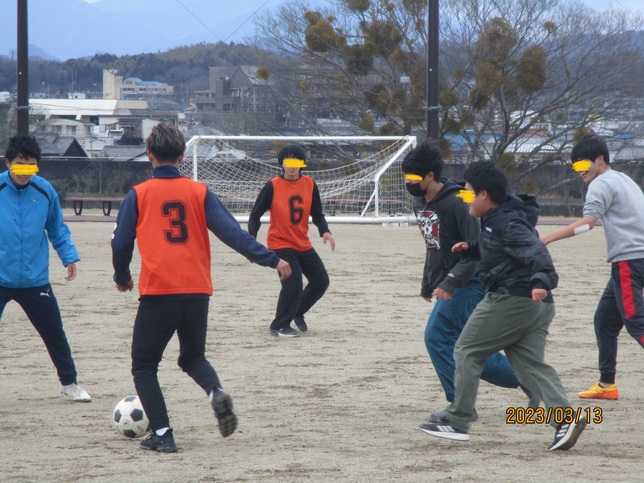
{"points": [[359, 177]]}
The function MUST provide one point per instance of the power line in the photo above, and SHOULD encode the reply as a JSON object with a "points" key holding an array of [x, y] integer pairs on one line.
{"points": [[234, 31], [285, 99]]}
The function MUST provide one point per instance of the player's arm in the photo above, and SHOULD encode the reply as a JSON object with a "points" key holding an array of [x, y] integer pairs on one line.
{"points": [[60, 236], [463, 271], [123, 242], [262, 205], [317, 214], [318, 218], [579, 227], [522, 244], [225, 227]]}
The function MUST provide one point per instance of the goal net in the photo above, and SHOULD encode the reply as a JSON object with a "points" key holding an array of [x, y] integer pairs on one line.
{"points": [[359, 177]]}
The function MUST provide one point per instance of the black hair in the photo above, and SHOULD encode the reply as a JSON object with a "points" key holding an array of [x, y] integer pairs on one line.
{"points": [[591, 147], [423, 159], [483, 175], [23, 146], [291, 151]]}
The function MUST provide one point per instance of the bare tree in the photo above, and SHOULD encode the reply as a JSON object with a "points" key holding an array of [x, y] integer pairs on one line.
{"points": [[509, 68]]}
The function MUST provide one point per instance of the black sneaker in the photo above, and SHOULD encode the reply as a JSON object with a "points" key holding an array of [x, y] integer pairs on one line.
{"points": [[533, 399], [300, 323], [285, 332], [441, 416], [567, 434], [163, 444], [444, 431], [222, 404]]}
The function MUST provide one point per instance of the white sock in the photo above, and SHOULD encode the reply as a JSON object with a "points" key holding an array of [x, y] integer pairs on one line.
{"points": [[161, 432]]}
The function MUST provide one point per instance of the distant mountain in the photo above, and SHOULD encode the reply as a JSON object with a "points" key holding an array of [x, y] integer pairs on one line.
{"points": [[35, 51]]}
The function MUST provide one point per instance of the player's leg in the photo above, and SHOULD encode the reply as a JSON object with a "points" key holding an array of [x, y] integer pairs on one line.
{"points": [[191, 333], [154, 326], [317, 280], [527, 358], [290, 293], [444, 326], [629, 294], [440, 337], [41, 307], [527, 352], [6, 295], [484, 334], [608, 324]]}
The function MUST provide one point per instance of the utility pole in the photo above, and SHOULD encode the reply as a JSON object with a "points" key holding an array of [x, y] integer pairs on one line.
{"points": [[23, 69], [433, 107]]}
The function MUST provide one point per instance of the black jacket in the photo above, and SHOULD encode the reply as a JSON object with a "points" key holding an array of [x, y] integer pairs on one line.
{"points": [[444, 221], [512, 258]]}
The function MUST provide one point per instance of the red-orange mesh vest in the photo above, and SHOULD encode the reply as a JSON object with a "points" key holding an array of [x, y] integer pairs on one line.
{"points": [[290, 210], [172, 236]]}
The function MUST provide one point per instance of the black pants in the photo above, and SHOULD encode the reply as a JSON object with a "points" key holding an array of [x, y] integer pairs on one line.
{"points": [[621, 304], [293, 300], [155, 324], [41, 307]]}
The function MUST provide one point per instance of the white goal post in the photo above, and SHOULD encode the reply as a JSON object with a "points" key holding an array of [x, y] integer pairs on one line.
{"points": [[359, 177]]}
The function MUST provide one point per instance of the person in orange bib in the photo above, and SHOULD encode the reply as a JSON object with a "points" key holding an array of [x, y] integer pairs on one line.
{"points": [[169, 217], [291, 199]]}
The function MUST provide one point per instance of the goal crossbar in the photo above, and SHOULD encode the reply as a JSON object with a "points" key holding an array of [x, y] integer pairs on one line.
{"points": [[359, 177]]}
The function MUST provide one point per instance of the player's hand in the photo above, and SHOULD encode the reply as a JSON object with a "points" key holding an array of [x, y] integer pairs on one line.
{"points": [[538, 294], [439, 293], [427, 299], [125, 288], [71, 272], [460, 247], [327, 237], [284, 269]]}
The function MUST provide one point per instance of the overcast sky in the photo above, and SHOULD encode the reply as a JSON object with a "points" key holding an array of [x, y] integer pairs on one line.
{"points": [[67, 29]]}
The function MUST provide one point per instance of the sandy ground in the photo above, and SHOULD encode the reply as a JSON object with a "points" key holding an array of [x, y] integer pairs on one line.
{"points": [[342, 403]]}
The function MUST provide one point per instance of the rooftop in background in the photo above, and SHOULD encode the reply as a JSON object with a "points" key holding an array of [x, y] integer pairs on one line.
{"points": [[86, 107]]}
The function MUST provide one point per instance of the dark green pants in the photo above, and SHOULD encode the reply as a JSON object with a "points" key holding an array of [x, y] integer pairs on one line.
{"points": [[518, 326]]}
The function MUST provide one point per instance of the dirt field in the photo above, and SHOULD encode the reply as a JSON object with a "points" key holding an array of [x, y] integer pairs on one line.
{"points": [[342, 403]]}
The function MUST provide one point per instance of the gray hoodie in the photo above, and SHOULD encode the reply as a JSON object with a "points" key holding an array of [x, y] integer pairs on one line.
{"points": [[618, 202]]}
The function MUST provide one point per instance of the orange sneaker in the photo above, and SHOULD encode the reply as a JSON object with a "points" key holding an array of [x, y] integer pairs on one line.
{"points": [[598, 392]]}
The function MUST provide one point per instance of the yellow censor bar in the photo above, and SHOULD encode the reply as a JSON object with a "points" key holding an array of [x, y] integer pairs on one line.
{"points": [[582, 165], [467, 196], [294, 163], [413, 177], [24, 169]]}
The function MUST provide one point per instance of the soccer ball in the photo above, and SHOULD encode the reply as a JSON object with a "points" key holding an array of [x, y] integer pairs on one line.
{"points": [[130, 419]]}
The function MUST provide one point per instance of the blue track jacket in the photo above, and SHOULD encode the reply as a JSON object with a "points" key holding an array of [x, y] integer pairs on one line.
{"points": [[28, 217]]}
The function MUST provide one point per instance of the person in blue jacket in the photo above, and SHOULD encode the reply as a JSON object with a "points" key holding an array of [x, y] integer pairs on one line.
{"points": [[30, 215]]}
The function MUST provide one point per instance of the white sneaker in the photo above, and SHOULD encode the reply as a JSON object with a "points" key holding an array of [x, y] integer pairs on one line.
{"points": [[76, 393]]}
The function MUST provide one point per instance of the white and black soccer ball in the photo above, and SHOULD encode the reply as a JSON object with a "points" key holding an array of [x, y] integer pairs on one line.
{"points": [[130, 419]]}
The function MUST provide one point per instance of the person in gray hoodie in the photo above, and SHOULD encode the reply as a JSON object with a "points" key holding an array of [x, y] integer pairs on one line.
{"points": [[448, 279], [618, 202]]}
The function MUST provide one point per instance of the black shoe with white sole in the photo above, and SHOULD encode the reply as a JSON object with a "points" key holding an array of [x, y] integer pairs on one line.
{"points": [[567, 434], [162, 444], [285, 332], [444, 431]]}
